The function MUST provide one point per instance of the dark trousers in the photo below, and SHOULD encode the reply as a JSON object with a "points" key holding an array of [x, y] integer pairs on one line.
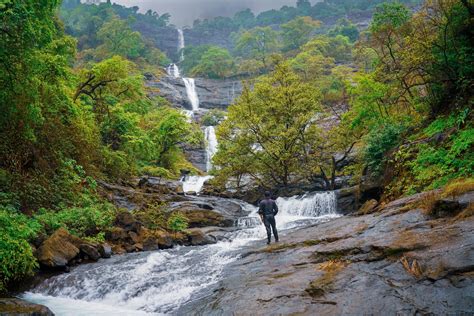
{"points": [[270, 225]]}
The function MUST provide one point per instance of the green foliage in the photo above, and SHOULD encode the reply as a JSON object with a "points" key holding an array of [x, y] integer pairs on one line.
{"points": [[268, 129], [213, 117], [298, 31], [86, 220], [177, 222], [153, 216], [215, 63], [378, 142], [119, 39], [16, 256], [257, 43], [155, 171], [345, 28], [435, 166]]}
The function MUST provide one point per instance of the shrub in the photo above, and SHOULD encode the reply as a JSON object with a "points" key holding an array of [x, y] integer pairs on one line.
{"points": [[379, 142], [152, 217], [16, 255], [83, 221], [177, 222], [155, 171]]}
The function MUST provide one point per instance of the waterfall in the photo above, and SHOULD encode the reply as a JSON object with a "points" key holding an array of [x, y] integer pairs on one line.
{"points": [[159, 282], [194, 183], [181, 44], [173, 71], [191, 92], [211, 146], [297, 208], [308, 205]]}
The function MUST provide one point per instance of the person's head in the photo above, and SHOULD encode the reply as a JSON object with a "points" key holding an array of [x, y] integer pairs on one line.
{"points": [[267, 194]]}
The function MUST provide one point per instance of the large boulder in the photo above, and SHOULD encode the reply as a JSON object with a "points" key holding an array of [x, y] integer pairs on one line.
{"points": [[15, 306], [58, 249], [197, 238], [203, 218], [90, 251], [105, 250]]}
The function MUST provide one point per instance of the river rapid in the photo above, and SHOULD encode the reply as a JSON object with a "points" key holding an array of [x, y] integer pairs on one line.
{"points": [[159, 282]]}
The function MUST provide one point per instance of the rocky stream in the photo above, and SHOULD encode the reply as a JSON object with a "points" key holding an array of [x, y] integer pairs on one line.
{"points": [[331, 260]]}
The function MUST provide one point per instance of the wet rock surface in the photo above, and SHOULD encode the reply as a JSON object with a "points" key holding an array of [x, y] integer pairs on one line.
{"points": [[394, 261], [18, 307], [212, 93]]}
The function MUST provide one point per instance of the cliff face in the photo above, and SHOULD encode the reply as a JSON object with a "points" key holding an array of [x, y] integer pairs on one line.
{"points": [[165, 38], [213, 94]]}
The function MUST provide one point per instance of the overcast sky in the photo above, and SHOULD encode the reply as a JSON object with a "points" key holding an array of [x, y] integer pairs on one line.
{"points": [[184, 12]]}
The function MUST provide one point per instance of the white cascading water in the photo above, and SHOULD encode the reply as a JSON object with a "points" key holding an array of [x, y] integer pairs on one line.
{"points": [[159, 282], [181, 44], [192, 93], [211, 145], [195, 183], [173, 71]]}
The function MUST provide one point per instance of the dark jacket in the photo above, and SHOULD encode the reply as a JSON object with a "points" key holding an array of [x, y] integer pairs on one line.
{"points": [[268, 207]]}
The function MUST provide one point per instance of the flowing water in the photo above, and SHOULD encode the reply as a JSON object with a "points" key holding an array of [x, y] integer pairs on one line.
{"points": [[211, 145], [181, 44], [159, 282], [195, 183], [191, 92], [173, 71]]}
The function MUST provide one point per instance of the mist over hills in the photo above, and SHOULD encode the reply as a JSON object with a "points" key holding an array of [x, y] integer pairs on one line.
{"points": [[184, 12]]}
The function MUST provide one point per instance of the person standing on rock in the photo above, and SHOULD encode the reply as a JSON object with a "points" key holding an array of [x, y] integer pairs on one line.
{"points": [[267, 211]]}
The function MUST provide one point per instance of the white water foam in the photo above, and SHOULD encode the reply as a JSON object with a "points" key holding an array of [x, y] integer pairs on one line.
{"points": [[191, 92], [181, 44], [173, 71], [211, 145], [194, 183], [161, 281]]}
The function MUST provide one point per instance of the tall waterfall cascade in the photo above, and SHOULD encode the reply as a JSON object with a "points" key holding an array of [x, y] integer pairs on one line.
{"points": [[192, 93], [211, 145], [181, 44], [159, 282]]}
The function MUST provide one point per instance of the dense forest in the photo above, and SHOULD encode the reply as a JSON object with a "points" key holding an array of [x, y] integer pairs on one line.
{"points": [[323, 97]]}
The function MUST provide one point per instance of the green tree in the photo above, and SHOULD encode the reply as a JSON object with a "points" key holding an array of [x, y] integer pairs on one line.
{"points": [[345, 28], [215, 63], [119, 39], [298, 31], [257, 43], [269, 129]]}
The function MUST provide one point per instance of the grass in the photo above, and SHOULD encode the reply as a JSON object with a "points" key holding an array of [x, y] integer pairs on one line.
{"points": [[458, 187], [427, 202], [414, 268], [321, 285]]}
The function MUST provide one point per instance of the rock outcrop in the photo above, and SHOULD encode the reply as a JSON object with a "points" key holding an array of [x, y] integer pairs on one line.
{"points": [[58, 249], [213, 94], [18, 307], [394, 261], [62, 249]]}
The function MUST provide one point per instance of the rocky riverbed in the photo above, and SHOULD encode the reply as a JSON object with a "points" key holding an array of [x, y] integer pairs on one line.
{"points": [[385, 259], [394, 261]]}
